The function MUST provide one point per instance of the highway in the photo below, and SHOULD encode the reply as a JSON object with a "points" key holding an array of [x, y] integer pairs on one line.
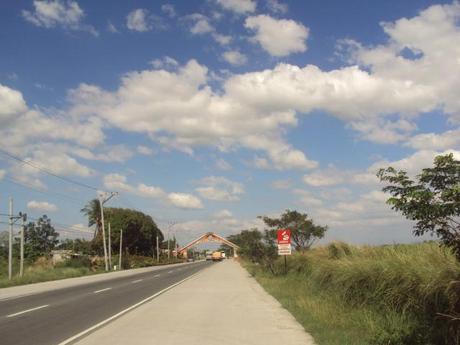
{"points": [[56, 316]]}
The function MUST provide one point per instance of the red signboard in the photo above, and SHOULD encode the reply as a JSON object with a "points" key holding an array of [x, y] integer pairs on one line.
{"points": [[284, 236]]}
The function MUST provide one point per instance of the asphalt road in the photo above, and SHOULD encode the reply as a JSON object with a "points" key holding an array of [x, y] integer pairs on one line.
{"points": [[52, 317]]}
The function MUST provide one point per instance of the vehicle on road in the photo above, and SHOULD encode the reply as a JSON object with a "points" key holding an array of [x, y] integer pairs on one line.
{"points": [[217, 256]]}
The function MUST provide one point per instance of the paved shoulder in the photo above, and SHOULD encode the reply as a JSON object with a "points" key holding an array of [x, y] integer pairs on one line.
{"points": [[221, 305]]}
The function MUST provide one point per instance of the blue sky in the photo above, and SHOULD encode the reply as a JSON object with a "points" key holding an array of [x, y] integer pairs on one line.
{"points": [[211, 113]]}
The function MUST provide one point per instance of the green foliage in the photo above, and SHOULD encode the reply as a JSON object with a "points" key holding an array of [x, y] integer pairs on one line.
{"points": [[92, 211], [304, 232], [256, 246], [139, 231], [77, 246], [395, 294], [40, 238], [432, 199]]}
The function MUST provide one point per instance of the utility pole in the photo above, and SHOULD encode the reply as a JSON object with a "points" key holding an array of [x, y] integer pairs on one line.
{"points": [[158, 250], [102, 200], [24, 218], [10, 243], [110, 247], [121, 245]]}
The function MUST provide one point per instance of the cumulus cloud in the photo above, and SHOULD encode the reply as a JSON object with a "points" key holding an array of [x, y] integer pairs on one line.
{"points": [[281, 184], [169, 10], [222, 164], [144, 150], [180, 110], [41, 206], [234, 57], [435, 141], [238, 6], [279, 37], [52, 13], [199, 24], [142, 20], [220, 189], [119, 182], [276, 6], [185, 201]]}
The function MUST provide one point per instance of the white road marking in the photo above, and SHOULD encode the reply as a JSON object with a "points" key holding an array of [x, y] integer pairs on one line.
{"points": [[102, 290], [102, 323], [171, 271], [137, 281], [28, 310], [157, 275]]}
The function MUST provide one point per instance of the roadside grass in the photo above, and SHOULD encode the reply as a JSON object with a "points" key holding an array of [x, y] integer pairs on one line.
{"points": [[353, 295], [43, 270]]}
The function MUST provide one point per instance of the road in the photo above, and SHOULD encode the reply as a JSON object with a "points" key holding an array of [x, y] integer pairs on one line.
{"points": [[54, 316]]}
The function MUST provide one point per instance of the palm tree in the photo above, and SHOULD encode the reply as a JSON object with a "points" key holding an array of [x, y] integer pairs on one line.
{"points": [[93, 211]]}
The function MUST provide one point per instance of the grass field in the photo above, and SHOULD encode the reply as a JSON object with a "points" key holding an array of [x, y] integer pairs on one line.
{"points": [[389, 295]]}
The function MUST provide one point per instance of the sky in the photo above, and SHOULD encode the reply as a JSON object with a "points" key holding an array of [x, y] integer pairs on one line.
{"points": [[208, 114]]}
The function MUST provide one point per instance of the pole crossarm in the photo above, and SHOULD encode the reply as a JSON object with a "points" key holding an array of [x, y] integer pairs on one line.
{"points": [[209, 237]]}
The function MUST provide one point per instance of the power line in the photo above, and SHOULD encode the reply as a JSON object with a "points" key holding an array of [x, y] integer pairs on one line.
{"points": [[46, 171], [25, 185]]}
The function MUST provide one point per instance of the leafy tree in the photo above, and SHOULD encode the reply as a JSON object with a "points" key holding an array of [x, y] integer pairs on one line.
{"points": [[432, 199], [256, 246], [304, 232], [139, 231], [40, 238], [92, 210], [78, 246]]}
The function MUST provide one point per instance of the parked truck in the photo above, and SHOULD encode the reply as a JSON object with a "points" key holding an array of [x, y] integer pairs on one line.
{"points": [[217, 256]]}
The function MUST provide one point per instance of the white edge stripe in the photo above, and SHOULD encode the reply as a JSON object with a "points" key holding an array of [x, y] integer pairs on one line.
{"points": [[28, 310], [97, 291], [137, 281], [156, 275], [102, 323]]}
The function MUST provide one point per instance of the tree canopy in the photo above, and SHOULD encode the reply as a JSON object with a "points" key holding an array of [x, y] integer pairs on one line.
{"points": [[40, 238], [304, 232], [432, 199]]}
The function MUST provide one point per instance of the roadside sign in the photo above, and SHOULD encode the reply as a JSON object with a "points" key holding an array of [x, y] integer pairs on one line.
{"points": [[284, 249], [284, 236]]}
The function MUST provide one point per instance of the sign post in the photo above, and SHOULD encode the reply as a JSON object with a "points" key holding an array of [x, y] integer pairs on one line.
{"points": [[284, 245]]}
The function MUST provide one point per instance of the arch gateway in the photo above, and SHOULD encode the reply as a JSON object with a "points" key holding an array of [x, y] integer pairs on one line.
{"points": [[208, 237]]}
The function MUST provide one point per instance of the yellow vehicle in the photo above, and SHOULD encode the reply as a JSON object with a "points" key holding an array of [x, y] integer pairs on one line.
{"points": [[217, 256]]}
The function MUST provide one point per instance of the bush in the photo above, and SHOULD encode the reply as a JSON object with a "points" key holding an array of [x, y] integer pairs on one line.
{"points": [[408, 291], [76, 262]]}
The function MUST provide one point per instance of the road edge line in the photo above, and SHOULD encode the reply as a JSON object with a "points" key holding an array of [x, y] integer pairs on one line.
{"points": [[124, 311]]}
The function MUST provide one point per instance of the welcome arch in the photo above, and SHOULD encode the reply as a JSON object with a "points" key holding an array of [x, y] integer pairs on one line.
{"points": [[208, 237]]}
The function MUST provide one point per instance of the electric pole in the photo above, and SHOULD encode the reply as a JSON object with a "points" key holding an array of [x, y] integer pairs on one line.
{"points": [[24, 218], [121, 246], [10, 243], [110, 248], [102, 200], [158, 250]]}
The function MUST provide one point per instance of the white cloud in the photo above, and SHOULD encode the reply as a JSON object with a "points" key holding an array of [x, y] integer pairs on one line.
{"points": [[199, 24], [142, 20], [111, 27], [2, 174], [222, 164], [180, 110], [169, 10], [117, 182], [238, 6], [52, 13], [223, 214], [279, 37], [165, 62], [234, 57], [185, 201], [222, 39], [307, 198], [220, 189], [276, 6], [144, 150], [434, 141], [117, 153], [11, 104], [41, 206], [281, 184]]}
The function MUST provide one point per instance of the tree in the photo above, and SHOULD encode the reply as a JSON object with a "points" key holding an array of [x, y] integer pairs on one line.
{"points": [[40, 238], [304, 232], [92, 210], [432, 199]]}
